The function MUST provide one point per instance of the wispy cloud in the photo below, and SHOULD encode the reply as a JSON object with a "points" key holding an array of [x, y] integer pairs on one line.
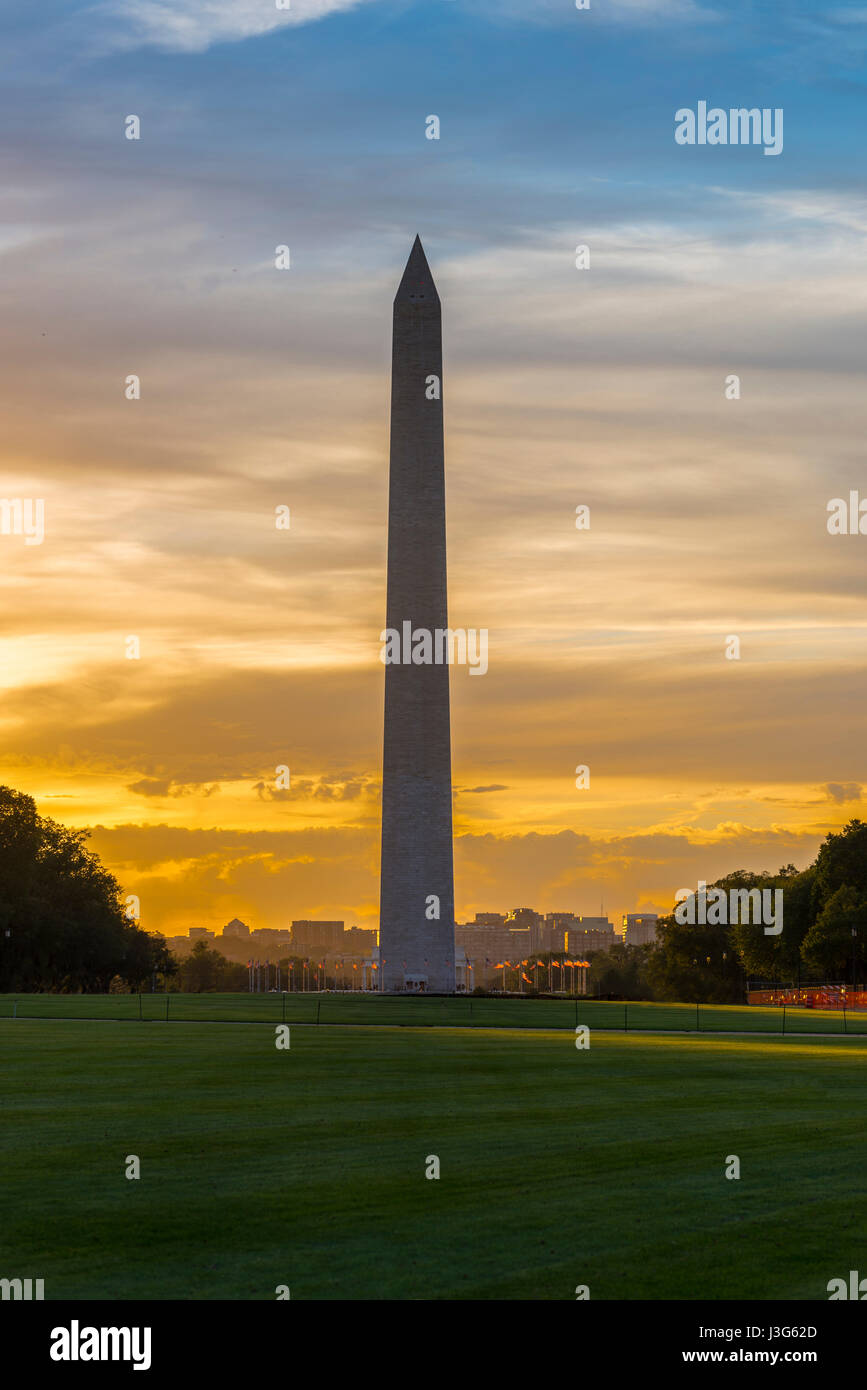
{"points": [[191, 26], [636, 12], [840, 792], [835, 209]]}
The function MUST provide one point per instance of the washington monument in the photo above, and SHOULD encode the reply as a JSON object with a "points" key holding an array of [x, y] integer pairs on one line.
{"points": [[417, 896]]}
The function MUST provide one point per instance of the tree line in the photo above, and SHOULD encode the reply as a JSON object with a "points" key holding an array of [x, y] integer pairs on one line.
{"points": [[824, 935]]}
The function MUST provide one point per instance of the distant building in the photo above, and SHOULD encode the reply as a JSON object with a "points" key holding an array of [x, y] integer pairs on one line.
{"points": [[567, 920], [316, 938], [494, 937], [484, 947], [639, 928], [236, 928], [530, 925], [591, 934], [557, 924], [523, 919], [477, 940], [270, 936], [202, 934], [359, 939]]}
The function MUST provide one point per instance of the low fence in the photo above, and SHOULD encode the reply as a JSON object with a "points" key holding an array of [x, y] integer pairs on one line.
{"points": [[433, 1012], [811, 997]]}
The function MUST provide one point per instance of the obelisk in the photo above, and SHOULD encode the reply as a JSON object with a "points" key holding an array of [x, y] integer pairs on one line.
{"points": [[417, 910]]}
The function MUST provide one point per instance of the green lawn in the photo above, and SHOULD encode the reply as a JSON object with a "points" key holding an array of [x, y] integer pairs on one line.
{"points": [[456, 1011], [306, 1167]]}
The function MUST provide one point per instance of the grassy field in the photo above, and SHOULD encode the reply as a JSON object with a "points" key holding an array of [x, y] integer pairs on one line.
{"points": [[306, 1167], [433, 1012]]}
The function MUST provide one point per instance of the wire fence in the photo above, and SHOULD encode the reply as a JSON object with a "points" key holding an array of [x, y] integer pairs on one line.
{"points": [[434, 1012]]}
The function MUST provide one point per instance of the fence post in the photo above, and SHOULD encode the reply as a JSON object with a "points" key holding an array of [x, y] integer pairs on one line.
{"points": [[318, 1007]]}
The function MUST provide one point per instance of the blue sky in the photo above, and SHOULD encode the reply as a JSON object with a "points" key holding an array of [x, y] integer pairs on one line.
{"points": [[549, 115], [156, 257]]}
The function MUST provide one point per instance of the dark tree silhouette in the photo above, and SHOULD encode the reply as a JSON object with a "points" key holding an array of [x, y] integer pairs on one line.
{"points": [[62, 924]]}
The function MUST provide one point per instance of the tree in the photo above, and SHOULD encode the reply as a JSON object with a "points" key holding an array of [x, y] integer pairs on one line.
{"points": [[696, 964], [165, 964], [206, 971], [769, 957], [147, 955], [62, 923], [842, 860], [829, 946], [621, 971]]}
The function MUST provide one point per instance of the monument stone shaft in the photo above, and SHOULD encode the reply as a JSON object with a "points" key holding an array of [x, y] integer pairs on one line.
{"points": [[416, 864]]}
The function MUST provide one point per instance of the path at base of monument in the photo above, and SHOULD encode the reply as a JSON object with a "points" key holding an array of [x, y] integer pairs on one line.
{"points": [[306, 1167]]}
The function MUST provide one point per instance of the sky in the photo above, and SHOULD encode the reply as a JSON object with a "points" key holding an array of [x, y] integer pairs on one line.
{"points": [[563, 387]]}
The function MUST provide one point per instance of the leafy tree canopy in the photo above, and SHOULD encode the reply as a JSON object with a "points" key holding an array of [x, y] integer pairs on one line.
{"points": [[62, 923]]}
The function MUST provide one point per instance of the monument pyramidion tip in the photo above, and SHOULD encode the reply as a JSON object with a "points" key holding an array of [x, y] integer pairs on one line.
{"points": [[417, 285]]}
